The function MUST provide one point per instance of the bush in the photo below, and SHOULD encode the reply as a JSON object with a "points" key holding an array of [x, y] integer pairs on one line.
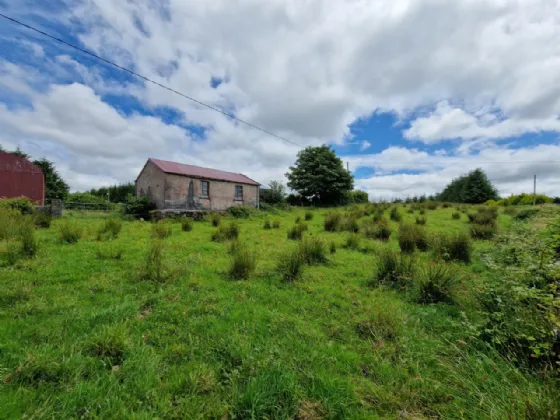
{"points": [[139, 207], [436, 283], [483, 218], [395, 215], [378, 216], [422, 242], [70, 233], [296, 232], [241, 212], [526, 214], [353, 241], [407, 238], [276, 224], [456, 216], [312, 251], [483, 231], [29, 242], [226, 233], [512, 211], [332, 222], [23, 205], [394, 270], [298, 219], [421, 220], [445, 205], [110, 229], [110, 253], [410, 210], [161, 230], [290, 265], [454, 247], [186, 224], [267, 225], [243, 263], [308, 215], [215, 219]]}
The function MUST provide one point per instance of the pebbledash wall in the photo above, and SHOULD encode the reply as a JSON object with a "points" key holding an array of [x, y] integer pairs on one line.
{"points": [[182, 192]]}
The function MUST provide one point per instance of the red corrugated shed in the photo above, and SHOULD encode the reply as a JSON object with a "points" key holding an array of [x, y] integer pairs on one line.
{"points": [[199, 172], [19, 177]]}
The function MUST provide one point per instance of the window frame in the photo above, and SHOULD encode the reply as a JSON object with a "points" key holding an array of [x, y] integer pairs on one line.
{"points": [[202, 195], [238, 197]]}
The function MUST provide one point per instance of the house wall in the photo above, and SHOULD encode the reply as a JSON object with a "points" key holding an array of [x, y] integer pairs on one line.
{"points": [[21, 178], [221, 194], [151, 182]]}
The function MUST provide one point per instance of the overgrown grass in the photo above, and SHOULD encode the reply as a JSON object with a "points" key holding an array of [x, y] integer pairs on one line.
{"points": [[436, 283], [312, 251], [110, 229], [215, 219], [394, 270], [290, 265], [186, 224], [243, 263], [69, 232], [421, 220], [453, 247], [308, 215], [161, 230], [296, 232], [267, 225], [226, 233], [395, 215]]}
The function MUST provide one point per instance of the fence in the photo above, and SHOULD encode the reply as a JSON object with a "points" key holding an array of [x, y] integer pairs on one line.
{"points": [[69, 205]]}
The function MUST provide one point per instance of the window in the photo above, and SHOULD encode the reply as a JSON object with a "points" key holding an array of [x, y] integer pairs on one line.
{"points": [[239, 192], [204, 188]]}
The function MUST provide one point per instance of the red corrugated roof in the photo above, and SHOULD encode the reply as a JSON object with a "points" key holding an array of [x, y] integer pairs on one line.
{"points": [[199, 172]]}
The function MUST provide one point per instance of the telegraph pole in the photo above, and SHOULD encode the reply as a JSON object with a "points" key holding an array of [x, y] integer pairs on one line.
{"points": [[535, 190]]}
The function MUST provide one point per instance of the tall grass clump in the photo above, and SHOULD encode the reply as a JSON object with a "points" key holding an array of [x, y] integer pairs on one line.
{"points": [[453, 247], [407, 238], [29, 242], [276, 224], [421, 220], [267, 225], [350, 223], [436, 283], [154, 265], [290, 265], [422, 212], [215, 219], [110, 253], [410, 210], [43, 220], [226, 233], [296, 232], [308, 215], [69, 233], [312, 251], [394, 269], [110, 229], [395, 215], [483, 231], [378, 215], [431, 205], [186, 224], [456, 215], [332, 222], [511, 211], [382, 230], [332, 247], [353, 241], [161, 230], [243, 263]]}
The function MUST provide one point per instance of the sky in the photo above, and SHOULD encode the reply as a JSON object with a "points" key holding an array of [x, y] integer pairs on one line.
{"points": [[410, 93]]}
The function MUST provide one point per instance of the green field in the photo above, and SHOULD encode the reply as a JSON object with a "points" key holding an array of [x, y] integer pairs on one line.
{"points": [[83, 335]]}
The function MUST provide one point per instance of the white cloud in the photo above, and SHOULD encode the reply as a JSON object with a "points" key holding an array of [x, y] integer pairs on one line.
{"points": [[365, 145]]}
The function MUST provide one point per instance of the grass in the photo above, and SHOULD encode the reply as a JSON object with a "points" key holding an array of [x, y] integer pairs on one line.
{"points": [[186, 224], [163, 331]]}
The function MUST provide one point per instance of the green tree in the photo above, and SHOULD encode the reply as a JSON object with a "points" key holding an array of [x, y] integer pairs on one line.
{"points": [[276, 194], [117, 193], [55, 187], [478, 188], [319, 175]]}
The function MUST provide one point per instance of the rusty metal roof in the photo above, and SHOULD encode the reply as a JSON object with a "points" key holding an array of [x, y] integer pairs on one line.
{"points": [[199, 172]]}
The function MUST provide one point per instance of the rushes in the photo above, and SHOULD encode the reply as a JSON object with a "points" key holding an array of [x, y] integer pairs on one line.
{"points": [[226, 233]]}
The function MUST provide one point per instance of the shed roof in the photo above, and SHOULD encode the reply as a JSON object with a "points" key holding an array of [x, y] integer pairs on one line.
{"points": [[199, 172]]}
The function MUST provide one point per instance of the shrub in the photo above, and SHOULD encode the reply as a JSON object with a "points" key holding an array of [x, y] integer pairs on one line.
{"points": [[332, 247], [290, 265], [308, 215], [353, 241], [186, 224], [226, 233], [332, 222], [215, 219], [154, 268], [267, 225], [241, 212], [526, 214], [161, 230], [421, 220], [483, 218], [422, 242], [23, 205], [243, 263], [296, 232], [456, 216], [407, 238], [512, 211], [436, 283], [483, 231], [298, 219], [378, 216], [312, 251], [29, 242], [395, 215], [70, 233], [394, 269], [454, 247], [43, 220], [276, 224], [110, 229], [139, 207]]}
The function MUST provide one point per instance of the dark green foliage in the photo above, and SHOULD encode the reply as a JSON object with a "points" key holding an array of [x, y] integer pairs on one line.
{"points": [[395, 215], [422, 241], [29, 241], [378, 215], [446, 205], [422, 212], [296, 232], [55, 187], [456, 216], [290, 265], [353, 241], [297, 200], [357, 197], [332, 222], [421, 220], [139, 207], [115, 193], [436, 283], [483, 231], [298, 219], [407, 238], [215, 219], [243, 263], [276, 224], [320, 175], [22, 204], [308, 215], [431, 205], [42, 220], [526, 214], [394, 269], [226, 233], [332, 247], [274, 195], [241, 212], [266, 224], [186, 224], [161, 230], [474, 188], [512, 211], [453, 247], [383, 231], [350, 223], [70, 233], [410, 210], [312, 251], [110, 229]]}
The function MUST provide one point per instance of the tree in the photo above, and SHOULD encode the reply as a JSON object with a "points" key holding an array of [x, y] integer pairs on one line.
{"points": [[473, 188], [319, 175], [55, 187], [20, 153], [357, 197], [117, 193], [276, 194]]}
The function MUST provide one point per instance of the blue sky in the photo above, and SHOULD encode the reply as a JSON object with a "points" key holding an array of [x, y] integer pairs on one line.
{"points": [[410, 94]]}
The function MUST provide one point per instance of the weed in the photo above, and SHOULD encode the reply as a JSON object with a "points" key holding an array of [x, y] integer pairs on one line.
{"points": [[161, 230], [436, 283], [453, 247], [290, 265], [394, 269], [29, 242], [215, 219], [110, 229], [296, 232], [226, 233], [407, 238], [267, 225], [332, 247], [483, 231], [312, 251], [154, 267], [243, 263], [421, 220], [276, 224], [456, 216], [395, 215], [70, 233], [308, 215], [186, 224], [43, 220], [353, 241], [332, 222]]}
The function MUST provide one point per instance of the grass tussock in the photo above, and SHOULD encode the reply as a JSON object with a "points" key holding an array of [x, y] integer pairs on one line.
{"points": [[276, 224], [332, 222], [110, 229], [154, 269], [395, 215], [29, 241], [453, 247], [436, 283], [226, 233], [243, 263], [385, 323], [290, 265], [483, 231], [296, 232], [267, 225], [43, 220], [332, 247], [312, 251], [161, 230], [394, 269], [215, 219], [308, 215], [69, 232], [353, 242], [109, 253], [186, 224], [421, 220], [456, 215], [407, 238]]}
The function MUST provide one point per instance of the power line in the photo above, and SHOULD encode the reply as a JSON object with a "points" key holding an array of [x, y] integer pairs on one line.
{"points": [[111, 63], [452, 160]]}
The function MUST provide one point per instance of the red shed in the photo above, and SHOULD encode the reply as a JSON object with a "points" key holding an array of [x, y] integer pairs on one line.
{"points": [[19, 177]]}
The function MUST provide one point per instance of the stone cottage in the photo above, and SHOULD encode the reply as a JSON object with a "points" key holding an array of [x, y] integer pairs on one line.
{"points": [[177, 186]]}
